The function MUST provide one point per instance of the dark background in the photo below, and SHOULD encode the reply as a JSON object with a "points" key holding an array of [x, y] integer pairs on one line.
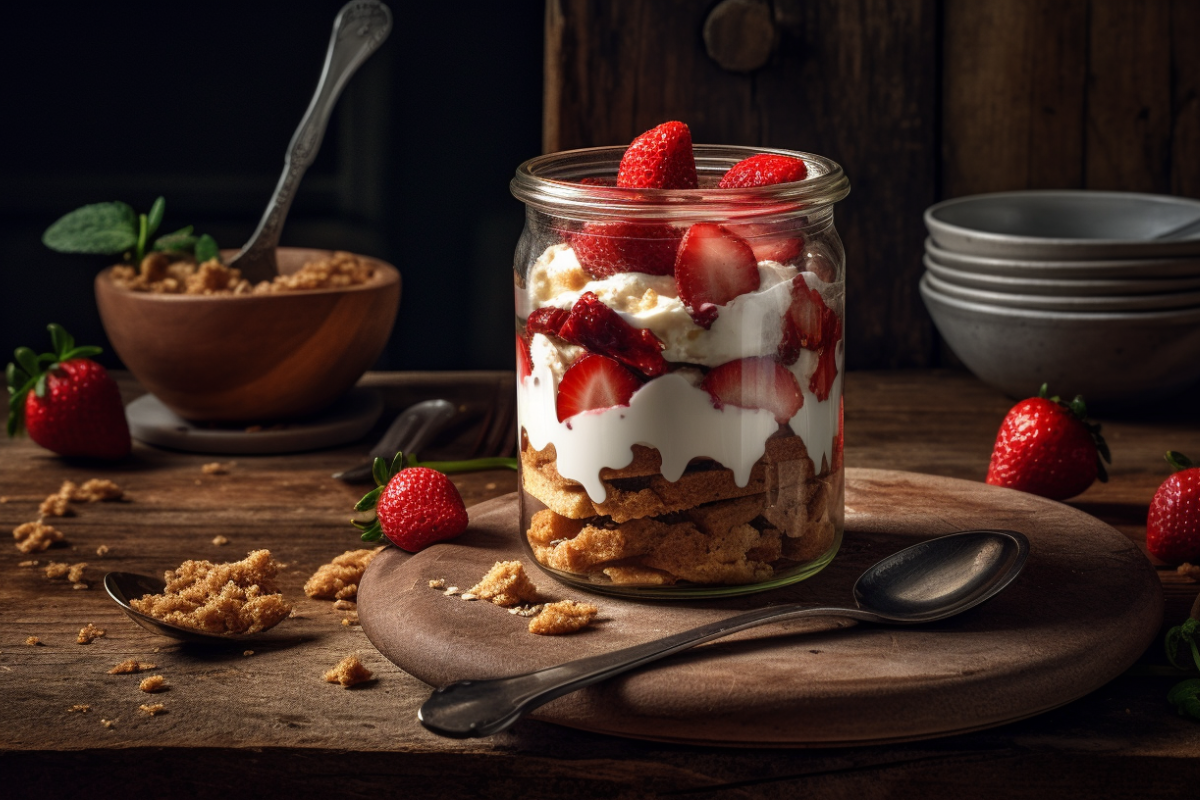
{"points": [[197, 101]]}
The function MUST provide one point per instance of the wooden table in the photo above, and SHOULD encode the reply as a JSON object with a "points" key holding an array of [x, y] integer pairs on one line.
{"points": [[238, 723]]}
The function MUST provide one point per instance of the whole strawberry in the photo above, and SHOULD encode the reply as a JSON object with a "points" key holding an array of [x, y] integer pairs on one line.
{"points": [[414, 506], [1173, 525], [65, 401], [1049, 448]]}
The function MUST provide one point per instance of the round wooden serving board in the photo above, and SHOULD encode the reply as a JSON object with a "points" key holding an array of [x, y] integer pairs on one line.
{"points": [[1086, 606]]}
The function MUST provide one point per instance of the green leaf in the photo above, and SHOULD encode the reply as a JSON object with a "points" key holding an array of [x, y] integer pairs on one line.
{"points": [[1078, 407], [398, 463], [379, 471], [87, 351], [59, 337], [1042, 391], [373, 533], [1178, 461], [14, 376], [181, 241], [140, 253], [206, 249], [100, 228], [27, 359], [39, 388], [1185, 698], [370, 500], [155, 217]]}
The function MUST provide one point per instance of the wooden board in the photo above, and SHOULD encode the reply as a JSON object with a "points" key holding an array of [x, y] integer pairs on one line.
{"points": [[1085, 608]]}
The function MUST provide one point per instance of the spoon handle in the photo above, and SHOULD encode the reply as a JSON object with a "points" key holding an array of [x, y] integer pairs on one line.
{"points": [[359, 29], [482, 708]]}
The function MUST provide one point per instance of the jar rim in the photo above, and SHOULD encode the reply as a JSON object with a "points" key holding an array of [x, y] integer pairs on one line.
{"points": [[550, 183]]}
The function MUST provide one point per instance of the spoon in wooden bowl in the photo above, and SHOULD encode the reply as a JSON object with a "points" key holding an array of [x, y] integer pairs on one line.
{"points": [[358, 30], [929, 581]]}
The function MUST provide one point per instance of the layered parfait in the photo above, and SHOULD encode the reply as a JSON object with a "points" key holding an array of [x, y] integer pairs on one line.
{"points": [[680, 361]]}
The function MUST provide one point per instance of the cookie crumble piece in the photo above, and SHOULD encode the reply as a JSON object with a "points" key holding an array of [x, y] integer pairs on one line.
{"points": [[108, 723], [98, 490], [505, 584], [1189, 571], [130, 666], [338, 580], [247, 652], [36, 536], [79, 708], [32, 563], [59, 503], [102, 550], [33, 641], [89, 633], [565, 616], [215, 468], [153, 709], [436, 583], [56, 569], [153, 683], [75, 573], [219, 540], [348, 672]]}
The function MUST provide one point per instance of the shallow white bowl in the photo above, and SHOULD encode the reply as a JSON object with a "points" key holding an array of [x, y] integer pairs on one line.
{"points": [[1112, 359], [1066, 225], [1059, 287], [1108, 269], [1144, 302]]}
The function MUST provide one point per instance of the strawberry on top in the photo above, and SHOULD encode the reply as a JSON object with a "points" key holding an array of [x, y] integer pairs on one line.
{"points": [[661, 158], [764, 169]]}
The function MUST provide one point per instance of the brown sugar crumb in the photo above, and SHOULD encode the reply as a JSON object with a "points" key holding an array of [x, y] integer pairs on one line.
{"points": [[89, 633], [56, 569], [344, 605], [153, 709], [154, 683], [33, 641], [436, 583], [247, 652], [32, 563], [1189, 571], [108, 723], [215, 468], [565, 616], [159, 274], [348, 672], [79, 708], [220, 541], [75, 573], [240, 597], [337, 271], [130, 666], [505, 584], [102, 550], [98, 490], [59, 503], [81, 585], [527, 611], [338, 580], [36, 536]]}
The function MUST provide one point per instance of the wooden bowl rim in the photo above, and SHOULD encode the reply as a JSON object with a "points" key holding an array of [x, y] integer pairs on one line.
{"points": [[386, 274]]}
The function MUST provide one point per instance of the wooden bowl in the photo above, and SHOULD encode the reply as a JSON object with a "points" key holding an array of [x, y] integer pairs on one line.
{"points": [[252, 358]]}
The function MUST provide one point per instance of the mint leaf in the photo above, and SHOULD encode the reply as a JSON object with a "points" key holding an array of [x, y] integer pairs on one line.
{"points": [[181, 241], [206, 249], [100, 228], [154, 218]]}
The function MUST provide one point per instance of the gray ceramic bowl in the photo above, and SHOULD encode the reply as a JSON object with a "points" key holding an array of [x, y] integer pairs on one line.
{"points": [[1144, 302], [1059, 287], [1109, 269], [1066, 225], [1112, 359]]}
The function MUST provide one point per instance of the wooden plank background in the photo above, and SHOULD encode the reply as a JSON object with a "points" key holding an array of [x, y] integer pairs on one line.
{"points": [[919, 100]]}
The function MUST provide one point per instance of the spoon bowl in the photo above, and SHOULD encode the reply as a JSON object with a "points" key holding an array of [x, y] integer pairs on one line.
{"points": [[929, 581], [125, 586]]}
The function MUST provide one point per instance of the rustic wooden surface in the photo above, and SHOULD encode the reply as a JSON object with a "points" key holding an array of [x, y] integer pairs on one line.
{"points": [[851, 81], [245, 723], [1049, 638]]}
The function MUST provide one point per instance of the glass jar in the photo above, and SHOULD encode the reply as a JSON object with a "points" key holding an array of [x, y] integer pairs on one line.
{"points": [[670, 446]]}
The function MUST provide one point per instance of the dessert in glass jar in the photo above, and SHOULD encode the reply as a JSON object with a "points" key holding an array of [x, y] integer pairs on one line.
{"points": [[679, 318]]}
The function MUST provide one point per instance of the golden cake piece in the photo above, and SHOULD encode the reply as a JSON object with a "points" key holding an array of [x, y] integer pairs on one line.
{"points": [[89, 633], [152, 684], [338, 580], [565, 616], [349, 672], [235, 598], [505, 584]]}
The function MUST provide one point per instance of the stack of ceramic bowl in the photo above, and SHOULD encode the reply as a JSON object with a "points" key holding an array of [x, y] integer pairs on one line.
{"points": [[1095, 293]]}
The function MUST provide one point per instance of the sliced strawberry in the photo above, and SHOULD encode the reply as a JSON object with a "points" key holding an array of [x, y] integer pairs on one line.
{"points": [[524, 361], [764, 169], [769, 243], [714, 266], [806, 322], [821, 382], [547, 320], [599, 329], [597, 180], [606, 248], [594, 382], [755, 383], [661, 158]]}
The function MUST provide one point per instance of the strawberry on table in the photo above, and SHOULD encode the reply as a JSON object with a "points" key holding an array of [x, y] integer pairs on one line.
{"points": [[607, 248], [764, 169], [1173, 524], [598, 329], [414, 506], [661, 158], [66, 402], [714, 266], [595, 382], [755, 383], [1049, 448]]}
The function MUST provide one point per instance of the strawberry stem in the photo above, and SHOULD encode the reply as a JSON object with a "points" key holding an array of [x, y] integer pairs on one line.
{"points": [[28, 371]]}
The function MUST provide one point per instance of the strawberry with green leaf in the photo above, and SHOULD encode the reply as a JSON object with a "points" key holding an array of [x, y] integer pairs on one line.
{"points": [[415, 506], [65, 401]]}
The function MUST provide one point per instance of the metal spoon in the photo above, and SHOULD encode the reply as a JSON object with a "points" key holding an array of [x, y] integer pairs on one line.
{"points": [[929, 581], [358, 30], [125, 586]]}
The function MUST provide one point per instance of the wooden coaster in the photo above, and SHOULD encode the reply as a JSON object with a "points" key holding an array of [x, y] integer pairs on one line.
{"points": [[1085, 608]]}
